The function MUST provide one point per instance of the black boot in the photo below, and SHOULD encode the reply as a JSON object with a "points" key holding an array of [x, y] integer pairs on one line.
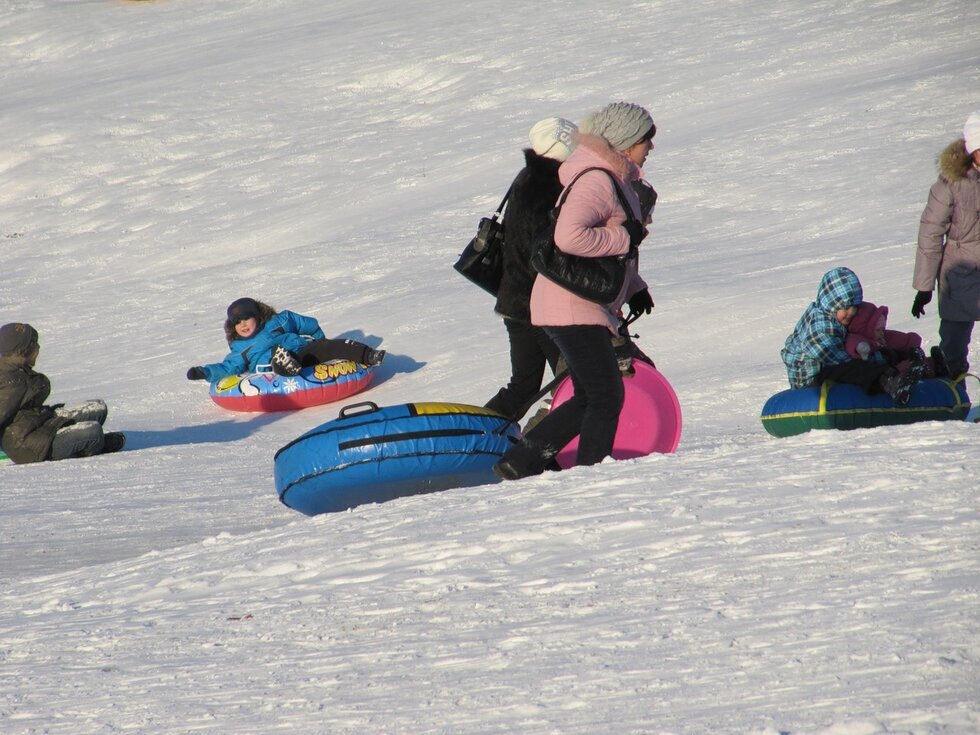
{"points": [[114, 441], [285, 362], [525, 459], [917, 362], [939, 367], [899, 385], [373, 357]]}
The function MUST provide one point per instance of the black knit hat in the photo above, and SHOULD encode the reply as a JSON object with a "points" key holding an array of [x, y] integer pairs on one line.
{"points": [[242, 309], [17, 339]]}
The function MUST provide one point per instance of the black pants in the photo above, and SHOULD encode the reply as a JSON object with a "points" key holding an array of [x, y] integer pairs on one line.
{"points": [[862, 373], [530, 349], [325, 350], [592, 413], [954, 341]]}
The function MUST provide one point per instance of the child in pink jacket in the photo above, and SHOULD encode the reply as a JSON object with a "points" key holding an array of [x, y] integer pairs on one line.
{"points": [[869, 339]]}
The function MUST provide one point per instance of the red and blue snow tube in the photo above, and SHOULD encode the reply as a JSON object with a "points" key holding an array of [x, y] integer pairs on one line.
{"points": [[371, 454], [314, 386], [840, 406]]}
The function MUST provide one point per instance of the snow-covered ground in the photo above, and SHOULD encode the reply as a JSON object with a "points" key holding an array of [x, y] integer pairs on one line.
{"points": [[159, 159]]}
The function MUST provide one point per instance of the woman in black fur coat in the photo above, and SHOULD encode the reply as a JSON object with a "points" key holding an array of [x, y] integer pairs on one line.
{"points": [[532, 196]]}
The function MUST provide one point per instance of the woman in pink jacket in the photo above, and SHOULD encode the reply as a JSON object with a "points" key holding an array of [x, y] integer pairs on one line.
{"points": [[592, 223]]}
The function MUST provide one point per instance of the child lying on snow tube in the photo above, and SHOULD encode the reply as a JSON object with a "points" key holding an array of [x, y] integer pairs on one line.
{"points": [[258, 335]]}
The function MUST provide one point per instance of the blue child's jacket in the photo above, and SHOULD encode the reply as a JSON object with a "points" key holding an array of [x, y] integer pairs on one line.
{"points": [[292, 331], [818, 338]]}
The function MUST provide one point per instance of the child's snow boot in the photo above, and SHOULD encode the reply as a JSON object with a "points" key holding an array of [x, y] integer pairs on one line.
{"points": [[285, 362], [113, 441], [917, 363], [373, 357], [898, 385]]}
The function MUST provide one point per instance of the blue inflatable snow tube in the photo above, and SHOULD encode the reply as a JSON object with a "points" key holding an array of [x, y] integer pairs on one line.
{"points": [[371, 454], [840, 406]]}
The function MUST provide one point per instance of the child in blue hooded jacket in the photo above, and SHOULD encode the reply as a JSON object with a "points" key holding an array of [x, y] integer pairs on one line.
{"points": [[815, 351], [259, 336]]}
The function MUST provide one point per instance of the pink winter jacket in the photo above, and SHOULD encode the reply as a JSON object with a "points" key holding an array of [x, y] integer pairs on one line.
{"points": [[590, 225], [866, 334]]}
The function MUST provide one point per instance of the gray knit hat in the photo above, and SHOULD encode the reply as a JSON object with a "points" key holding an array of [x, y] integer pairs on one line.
{"points": [[17, 339], [621, 123]]}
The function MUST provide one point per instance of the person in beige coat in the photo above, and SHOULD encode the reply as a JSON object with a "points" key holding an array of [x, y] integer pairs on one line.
{"points": [[949, 247]]}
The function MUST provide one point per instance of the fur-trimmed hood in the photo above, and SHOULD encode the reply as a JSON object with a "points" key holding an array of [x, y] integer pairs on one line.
{"points": [[948, 247], [619, 164], [954, 162]]}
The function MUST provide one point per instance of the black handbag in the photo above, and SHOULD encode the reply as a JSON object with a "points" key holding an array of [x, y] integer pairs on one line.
{"points": [[482, 260], [594, 279]]}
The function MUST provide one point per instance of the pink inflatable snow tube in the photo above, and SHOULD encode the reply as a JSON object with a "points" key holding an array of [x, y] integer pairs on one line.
{"points": [[649, 422]]}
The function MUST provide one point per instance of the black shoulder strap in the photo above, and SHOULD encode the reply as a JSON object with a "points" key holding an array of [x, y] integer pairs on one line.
{"points": [[500, 207], [619, 192]]}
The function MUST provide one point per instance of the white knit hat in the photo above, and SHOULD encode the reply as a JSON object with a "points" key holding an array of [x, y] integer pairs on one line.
{"points": [[971, 132], [622, 124], [552, 138]]}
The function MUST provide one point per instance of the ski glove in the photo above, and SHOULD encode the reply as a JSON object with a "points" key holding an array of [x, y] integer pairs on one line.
{"points": [[641, 302], [921, 299], [195, 373], [636, 232]]}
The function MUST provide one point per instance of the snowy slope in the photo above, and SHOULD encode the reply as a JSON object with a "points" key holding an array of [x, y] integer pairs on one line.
{"points": [[159, 159]]}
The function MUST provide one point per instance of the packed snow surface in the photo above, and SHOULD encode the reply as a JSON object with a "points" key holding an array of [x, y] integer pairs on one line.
{"points": [[160, 159]]}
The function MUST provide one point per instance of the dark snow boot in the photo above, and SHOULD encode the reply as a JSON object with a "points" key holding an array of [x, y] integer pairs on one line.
{"points": [[285, 362], [899, 385], [939, 367], [917, 365], [373, 357], [524, 459], [114, 442]]}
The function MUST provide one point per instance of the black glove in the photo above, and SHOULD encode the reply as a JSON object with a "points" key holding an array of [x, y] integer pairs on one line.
{"points": [[636, 231], [921, 299], [195, 373], [641, 302]]}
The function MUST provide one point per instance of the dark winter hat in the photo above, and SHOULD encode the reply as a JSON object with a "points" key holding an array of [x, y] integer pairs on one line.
{"points": [[622, 124], [17, 339], [242, 309]]}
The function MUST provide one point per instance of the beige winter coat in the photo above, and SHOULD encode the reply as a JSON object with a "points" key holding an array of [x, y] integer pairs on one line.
{"points": [[949, 237]]}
